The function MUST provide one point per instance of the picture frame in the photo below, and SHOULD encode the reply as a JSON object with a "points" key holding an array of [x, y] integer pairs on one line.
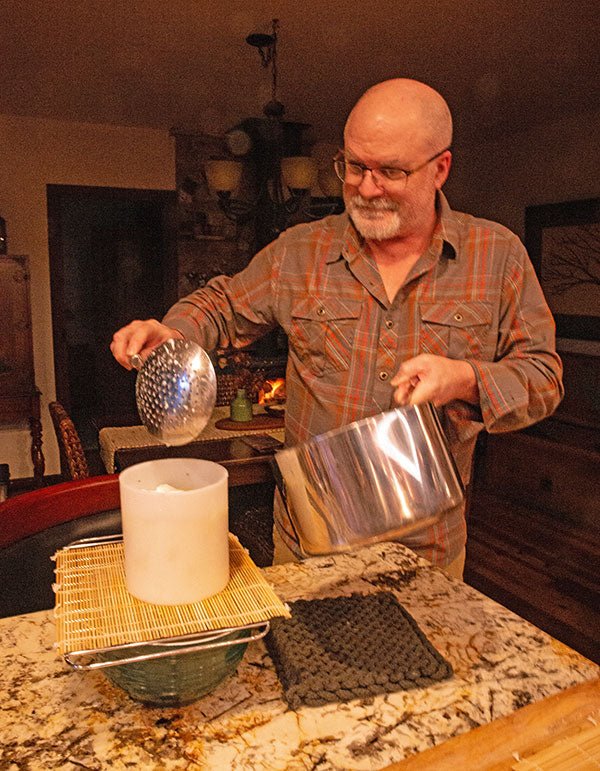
{"points": [[563, 241]]}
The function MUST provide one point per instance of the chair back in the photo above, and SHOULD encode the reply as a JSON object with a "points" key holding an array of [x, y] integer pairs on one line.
{"points": [[33, 526], [73, 463]]}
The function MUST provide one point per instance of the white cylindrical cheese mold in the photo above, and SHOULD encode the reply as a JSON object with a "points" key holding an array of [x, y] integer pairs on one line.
{"points": [[175, 530]]}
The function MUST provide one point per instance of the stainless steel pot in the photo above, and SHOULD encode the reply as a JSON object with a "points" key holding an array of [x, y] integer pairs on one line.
{"points": [[376, 479]]}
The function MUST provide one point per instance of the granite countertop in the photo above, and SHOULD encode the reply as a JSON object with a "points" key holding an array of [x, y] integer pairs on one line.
{"points": [[52, 717]]}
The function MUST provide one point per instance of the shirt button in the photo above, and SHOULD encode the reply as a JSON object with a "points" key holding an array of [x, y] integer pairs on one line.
{"points": [[383, 375], [458, 317], [320, 311], [389, 323]]}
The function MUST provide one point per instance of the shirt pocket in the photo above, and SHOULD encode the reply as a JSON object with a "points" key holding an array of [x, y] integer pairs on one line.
{"points": [[457, 329], [322, 332]]}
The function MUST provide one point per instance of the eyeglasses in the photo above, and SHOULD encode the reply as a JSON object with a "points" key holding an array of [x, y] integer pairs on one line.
{"points": [[353, 171]]}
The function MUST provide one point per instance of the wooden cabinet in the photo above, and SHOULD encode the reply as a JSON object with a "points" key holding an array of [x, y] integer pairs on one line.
{"points": [[553, 466], [19, 396], [544, 475]]}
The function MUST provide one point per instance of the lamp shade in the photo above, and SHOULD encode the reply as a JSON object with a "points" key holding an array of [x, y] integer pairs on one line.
{"points": [[299, 172], [223, 175]]}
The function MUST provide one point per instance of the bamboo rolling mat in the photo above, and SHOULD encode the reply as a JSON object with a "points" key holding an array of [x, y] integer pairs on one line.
{"points": [[94, 610], [573, 753]]}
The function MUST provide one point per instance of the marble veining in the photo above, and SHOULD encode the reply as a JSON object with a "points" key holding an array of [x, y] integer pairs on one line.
{"points": [[54, 718]]}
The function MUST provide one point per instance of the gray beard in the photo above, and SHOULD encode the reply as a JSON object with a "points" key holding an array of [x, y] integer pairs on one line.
{"points": [[360, 208]]}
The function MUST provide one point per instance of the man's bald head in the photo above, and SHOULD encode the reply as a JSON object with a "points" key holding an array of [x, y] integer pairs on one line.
{"points": [[401, 111]]}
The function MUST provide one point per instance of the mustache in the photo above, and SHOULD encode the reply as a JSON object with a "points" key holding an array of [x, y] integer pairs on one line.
{"points": [[372, 204]]}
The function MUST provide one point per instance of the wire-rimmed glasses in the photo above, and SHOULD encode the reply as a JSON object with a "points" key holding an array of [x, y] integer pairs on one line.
{"points": [[353, 172]]}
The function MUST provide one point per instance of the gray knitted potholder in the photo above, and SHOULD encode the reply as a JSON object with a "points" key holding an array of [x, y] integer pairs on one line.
{"points": [[343, 648]]}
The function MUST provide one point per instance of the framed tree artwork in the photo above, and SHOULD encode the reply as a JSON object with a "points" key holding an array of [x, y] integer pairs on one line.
{"points": [[563, 241]]}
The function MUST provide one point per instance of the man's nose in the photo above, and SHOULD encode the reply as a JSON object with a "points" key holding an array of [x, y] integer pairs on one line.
{"points": [[368, 188]]}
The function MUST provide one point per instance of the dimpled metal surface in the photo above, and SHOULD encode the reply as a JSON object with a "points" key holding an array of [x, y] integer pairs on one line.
{"points": [[175, 390]]}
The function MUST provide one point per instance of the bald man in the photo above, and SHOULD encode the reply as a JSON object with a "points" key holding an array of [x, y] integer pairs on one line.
{"points": [[399, 300]]}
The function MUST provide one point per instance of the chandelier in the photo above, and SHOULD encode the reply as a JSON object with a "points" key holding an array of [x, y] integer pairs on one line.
{"points": [[268, 155]]}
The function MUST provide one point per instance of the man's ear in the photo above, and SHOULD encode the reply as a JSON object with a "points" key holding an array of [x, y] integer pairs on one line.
{"points": [[442, 169]]}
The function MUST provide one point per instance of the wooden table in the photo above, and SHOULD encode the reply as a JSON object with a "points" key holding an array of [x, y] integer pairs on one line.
{"points": [[538, 728], [246, 466], [53, 717], [246, 453]]}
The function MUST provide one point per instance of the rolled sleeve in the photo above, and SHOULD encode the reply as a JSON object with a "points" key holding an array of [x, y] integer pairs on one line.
{"points": [[230, 311], [524, 384]]}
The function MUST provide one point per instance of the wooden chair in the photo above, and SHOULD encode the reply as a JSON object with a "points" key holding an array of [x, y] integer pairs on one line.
{"points": [[33, 526], [73, 462]]}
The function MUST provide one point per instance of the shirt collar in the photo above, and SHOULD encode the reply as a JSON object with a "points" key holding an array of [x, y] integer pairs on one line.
{"points": [[347, 243], [447, 230]]}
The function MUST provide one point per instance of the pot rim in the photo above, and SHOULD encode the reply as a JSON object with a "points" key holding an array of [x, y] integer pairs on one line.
{"points": [[347, 427]]}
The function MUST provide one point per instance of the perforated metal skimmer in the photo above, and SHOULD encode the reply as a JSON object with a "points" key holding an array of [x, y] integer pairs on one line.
{"points": [[175, 391]]}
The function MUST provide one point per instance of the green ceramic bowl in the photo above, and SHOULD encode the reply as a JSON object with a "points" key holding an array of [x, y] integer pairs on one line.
{"points": [[178, 679]]}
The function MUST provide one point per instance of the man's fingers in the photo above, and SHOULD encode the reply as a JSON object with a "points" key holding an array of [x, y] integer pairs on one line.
{"points": [[411, 368], [404, 389], [399, 379], [117, 347], [137, 341], [136, 361], [435, 379], [401, 395], [423, 392], [132, 340]]}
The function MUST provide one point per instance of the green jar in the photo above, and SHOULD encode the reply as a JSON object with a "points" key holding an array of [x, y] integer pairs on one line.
{"points": [[240, 408]]}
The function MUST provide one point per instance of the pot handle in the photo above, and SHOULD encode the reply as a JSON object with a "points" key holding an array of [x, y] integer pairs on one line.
{"points": [[280, 484]]}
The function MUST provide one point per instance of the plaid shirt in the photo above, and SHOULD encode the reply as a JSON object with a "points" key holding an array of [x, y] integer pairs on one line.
{"points": [[472, 295]]}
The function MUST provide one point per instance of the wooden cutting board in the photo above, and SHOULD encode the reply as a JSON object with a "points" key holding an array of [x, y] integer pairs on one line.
{"points": [[499, 745]]}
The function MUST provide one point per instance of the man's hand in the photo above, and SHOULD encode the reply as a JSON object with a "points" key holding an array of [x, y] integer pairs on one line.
{"points": [[436, 379], [140, 337]]}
